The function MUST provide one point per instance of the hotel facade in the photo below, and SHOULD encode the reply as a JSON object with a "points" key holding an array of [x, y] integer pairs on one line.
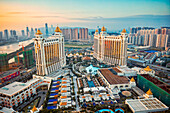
{"points": [[49, 52], [16, 93], [109, 49]]}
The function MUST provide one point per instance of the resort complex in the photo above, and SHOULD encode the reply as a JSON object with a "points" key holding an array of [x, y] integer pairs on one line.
{"points": [[97, 79], [49, 52], [110, 49]]}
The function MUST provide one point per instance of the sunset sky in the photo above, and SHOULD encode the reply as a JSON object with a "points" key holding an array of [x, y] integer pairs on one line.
{"points": [[17, 14]]}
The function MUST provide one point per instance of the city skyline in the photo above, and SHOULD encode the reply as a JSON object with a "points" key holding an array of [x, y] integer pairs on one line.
{"points": [[19, 14]]}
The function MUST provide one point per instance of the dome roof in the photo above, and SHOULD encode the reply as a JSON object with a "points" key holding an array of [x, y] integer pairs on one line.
{"points": [[124, 31], [34, 109], [38, 32], [132, 79], [58, 29], [149, 92], [147, 68], [103, 29]]}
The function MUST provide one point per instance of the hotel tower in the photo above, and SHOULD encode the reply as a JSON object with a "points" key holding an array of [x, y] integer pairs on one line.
{"points": [[110, 49], [49, 52]]}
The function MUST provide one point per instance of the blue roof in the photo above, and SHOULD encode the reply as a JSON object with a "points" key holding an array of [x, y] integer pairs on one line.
{"points": [[137, 60]]}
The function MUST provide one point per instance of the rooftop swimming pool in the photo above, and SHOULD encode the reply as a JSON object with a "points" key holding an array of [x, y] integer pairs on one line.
{"points": [[91, 83], [151, 51], [52, 94], [52, 100], [54, 89], [55, 84], [121, 111], [57, 80], [51, 107], [102, 110], [91, 69]]}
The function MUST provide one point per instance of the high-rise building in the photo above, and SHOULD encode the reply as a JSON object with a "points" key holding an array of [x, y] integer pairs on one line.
{"points": [[11, 33], [148, 36], [3, 62], [52, 29], [71, 34], [49, 52], [1, 35], [6, 34], [66, 33], [86, 33], [23, 33], [35, 30], [46, 29], [158, 42], [167, 42], [80, 33], [14, 33], [157, 31], [75, 34], [28, 59], [111, 50], [153, 39], [83, 34], [32, 32], [27, 31]]}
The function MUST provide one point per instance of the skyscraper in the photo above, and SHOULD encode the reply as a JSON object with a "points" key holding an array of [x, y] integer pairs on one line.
{"points": [[49, 52], [35, 30], [14, 33], [86, 33], [11, 33], [32, 33], [23, 33], [80, 33], [27, 31], [1, 35], [46, 29], [52, 29], [6, 34], [71, 34], [83, 34], [111, 50]]}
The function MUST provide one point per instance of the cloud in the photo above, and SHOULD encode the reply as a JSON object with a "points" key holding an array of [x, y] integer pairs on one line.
{"points": [[16, 13], [44, 16], [129, 18]]}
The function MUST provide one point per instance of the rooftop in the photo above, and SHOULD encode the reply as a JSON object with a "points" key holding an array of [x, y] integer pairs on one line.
{"points": [[157, 82], [14, 87], [142, 61], [112, 78], [3, 74], [116, 69], [146, 105]]}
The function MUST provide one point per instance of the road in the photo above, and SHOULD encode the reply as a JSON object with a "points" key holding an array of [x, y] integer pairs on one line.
{"points": [[160, 67], [75, 90]]}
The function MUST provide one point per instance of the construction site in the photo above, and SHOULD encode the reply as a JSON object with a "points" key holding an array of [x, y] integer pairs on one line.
{"points": [[159, 89], [23, 58]]}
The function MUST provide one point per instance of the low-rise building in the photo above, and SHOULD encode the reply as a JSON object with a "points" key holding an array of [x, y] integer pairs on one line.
{"points": [[146, 104], [113, 80], [17, 93]]}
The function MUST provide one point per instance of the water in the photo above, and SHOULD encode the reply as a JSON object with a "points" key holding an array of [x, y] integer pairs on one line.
{"points": [[13, 47], [119, 110], [151, 51], [55, 84], [91, 83], [92, 69], [52, 94], [51, 107], [52, 100], [54, 89], [102, 110]]}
